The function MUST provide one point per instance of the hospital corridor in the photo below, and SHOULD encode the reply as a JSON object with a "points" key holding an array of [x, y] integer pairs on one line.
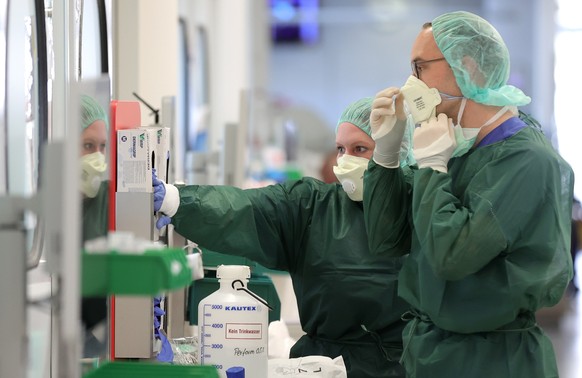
{"points": [[290, 188], [564, 327], [567, 341]]}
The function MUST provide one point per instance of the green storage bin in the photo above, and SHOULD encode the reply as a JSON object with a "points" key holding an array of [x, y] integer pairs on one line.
{"points": [[114, 369], [149, 273], [261, 285]]}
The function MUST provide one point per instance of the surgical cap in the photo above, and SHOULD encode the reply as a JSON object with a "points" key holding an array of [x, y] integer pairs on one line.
{"points": [[91, 111], [358, 114], [483, 77]]}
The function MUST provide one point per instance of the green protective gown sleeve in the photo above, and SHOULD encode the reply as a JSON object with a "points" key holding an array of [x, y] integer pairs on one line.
{"points": [[388, 196], [95, 212], [347, 297], [490, 247]]}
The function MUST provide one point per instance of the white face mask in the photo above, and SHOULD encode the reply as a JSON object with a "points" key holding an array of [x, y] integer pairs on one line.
{"points": [[93, 167], [420, 100], [466, 137], [350, 173]]}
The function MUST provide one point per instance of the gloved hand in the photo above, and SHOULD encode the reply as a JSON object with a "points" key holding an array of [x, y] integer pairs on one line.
{"points": [[434, 143], [165, 354], [388, 122], [159, 191], [163, 222], [166, 200]]}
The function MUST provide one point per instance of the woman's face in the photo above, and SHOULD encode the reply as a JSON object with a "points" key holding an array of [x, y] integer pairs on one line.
{"points": [[94, 138], [351, 140]]}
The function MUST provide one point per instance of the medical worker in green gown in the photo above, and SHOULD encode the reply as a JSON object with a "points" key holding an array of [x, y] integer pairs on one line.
{"points": [[346, 296], [490, 209], [94, 188]]}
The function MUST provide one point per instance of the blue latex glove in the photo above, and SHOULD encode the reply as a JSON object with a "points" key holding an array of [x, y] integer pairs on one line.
{"points": [[159, 194], [163, 222], [158, 312], [159, 191], [166, 353]]}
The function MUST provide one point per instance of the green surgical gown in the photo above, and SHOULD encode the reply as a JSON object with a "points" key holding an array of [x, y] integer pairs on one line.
{"points": [[490, 246], [94, 309], [95, 214], [316, 233]]}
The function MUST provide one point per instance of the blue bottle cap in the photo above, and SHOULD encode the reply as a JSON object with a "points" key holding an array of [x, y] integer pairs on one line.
{"points": [[235, 372]]}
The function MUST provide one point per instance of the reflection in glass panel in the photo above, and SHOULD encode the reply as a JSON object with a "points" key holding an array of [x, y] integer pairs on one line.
{"points": [[3, 25]]}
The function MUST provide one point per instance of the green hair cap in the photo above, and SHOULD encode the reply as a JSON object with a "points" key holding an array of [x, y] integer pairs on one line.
{"points": [[479, 58], [91, 111], [358, 114]]}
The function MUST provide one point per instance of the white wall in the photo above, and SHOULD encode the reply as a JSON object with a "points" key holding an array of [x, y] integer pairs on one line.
{"points": [[145, 52], [237, 57]]}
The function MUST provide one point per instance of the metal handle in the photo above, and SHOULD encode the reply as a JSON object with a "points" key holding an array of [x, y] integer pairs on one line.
{"points": [[36, 249], [35, 252]]}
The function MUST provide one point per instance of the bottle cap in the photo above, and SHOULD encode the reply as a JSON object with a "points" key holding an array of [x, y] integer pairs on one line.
{"points": [[233, 272], [235, 372]]}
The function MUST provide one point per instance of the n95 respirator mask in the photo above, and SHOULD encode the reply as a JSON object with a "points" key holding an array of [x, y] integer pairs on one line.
{"points": [[350, 173], [93, 167], [420, 100]]}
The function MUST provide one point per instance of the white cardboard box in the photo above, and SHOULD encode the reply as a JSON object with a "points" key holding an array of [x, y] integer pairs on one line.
{"points": [[134, 160], [160, 136]]}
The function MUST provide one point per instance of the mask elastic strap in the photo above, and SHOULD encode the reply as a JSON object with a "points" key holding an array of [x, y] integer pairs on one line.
{"points": [[497, 115], [461, 110], [448, 97]]}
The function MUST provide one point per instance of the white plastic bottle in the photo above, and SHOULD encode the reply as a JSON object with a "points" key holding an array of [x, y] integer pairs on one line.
{"points": [[233, 325]]}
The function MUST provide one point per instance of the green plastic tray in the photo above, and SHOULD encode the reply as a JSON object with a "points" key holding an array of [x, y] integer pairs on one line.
{"points": [[116, 369], [146, 274]]}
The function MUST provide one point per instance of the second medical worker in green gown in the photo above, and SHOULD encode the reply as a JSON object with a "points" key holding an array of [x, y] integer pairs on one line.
{"points": [[347, 297], [94, 186], [491, 208]]}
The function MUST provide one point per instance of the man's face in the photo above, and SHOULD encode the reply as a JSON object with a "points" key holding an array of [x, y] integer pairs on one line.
{"points": [[437, 73]]}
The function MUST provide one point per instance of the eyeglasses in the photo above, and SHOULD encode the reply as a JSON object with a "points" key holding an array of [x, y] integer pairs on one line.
{"points": [[415, 63]]}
